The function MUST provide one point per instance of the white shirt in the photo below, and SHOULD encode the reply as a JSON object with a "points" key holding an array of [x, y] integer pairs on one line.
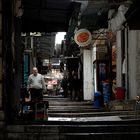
{"points": [[36, 81]]}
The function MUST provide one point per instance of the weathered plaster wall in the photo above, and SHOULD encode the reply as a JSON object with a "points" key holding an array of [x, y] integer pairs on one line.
{"points": [[134, 63], [88, 75]]}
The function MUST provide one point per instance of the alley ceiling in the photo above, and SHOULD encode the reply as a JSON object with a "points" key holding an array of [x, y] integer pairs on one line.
{"points": [[95, 15], [133, 16], [47, 15], [55, 15], [62, 15]]}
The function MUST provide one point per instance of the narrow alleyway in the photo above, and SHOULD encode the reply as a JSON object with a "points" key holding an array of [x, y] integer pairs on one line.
{"points": [[101, 45]]}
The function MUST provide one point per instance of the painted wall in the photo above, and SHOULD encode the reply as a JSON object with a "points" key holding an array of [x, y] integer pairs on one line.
{"points": [[0, 55], [134, 63], [2, 114]]}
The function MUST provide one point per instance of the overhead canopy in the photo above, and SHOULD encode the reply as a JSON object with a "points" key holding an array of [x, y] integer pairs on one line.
{"points": [[133, 15], [63, 16], [55, 15], [47, 15], [95, 16]]}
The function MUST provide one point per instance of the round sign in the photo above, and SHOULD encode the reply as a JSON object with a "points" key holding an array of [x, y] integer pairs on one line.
{"points": [[83, 37]]}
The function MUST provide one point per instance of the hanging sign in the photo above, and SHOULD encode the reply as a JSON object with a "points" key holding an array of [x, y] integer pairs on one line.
{"points": [[83, 37]]}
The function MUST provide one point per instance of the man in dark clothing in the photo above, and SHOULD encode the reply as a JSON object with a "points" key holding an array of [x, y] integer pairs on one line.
{"points": [[64, 85], [75, 85]]}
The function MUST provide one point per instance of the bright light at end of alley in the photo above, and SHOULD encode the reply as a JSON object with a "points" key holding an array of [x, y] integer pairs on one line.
{"points": [[59, 37]]}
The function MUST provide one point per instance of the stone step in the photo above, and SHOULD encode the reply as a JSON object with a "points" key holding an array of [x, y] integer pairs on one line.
{"points": [[90, 114], [72, 110], [74, 128], [55, 98], [102, 130], [73, 136], [100, 136], [64, 107], [68, 103], [71, 107]]}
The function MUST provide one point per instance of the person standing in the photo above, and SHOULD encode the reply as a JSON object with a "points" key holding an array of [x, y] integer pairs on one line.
{"points": [[75, 86], [64, 85], [36, 85]]}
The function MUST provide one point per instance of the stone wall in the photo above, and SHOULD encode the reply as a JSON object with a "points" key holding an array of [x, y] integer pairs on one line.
{"points": [[2, 122], [138, 62]]}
